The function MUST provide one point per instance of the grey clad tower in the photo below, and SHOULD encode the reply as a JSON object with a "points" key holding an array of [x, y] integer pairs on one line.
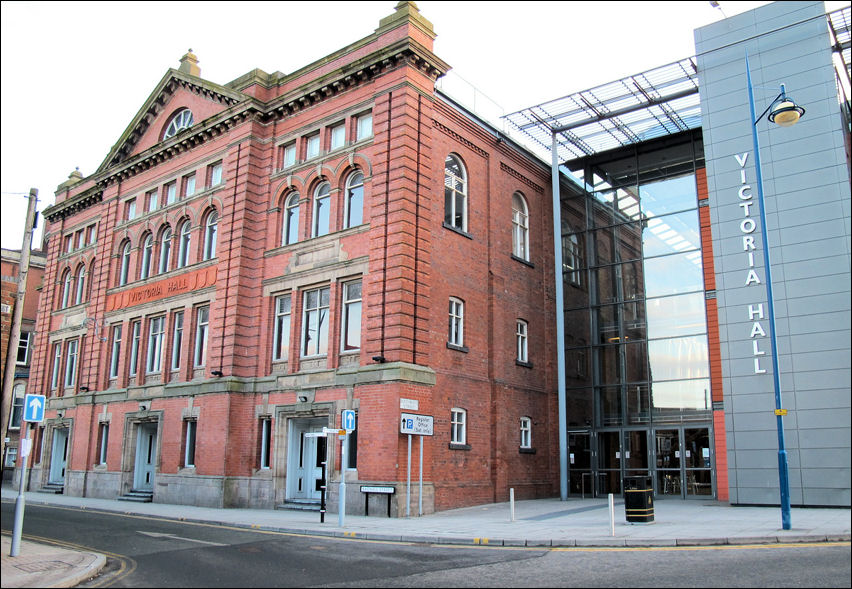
{"points": [[806, 181]]}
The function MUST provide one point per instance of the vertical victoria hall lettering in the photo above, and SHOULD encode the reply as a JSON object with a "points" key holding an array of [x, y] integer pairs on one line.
{"points": [[747, 227]]}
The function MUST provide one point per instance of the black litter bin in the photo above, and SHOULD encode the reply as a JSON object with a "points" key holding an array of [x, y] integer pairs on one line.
{"points": [[638, 499]]}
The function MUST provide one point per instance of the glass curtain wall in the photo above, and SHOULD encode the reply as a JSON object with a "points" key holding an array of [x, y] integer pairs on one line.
{"points": [[635, 319]]}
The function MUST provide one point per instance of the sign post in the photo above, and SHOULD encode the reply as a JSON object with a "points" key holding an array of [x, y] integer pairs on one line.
{"points": [[33, 413], [415, 425]]}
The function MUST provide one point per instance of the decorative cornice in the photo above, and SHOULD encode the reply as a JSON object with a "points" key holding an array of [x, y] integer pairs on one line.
{"points": [[472, 146], [514, 173], [82, 201]]}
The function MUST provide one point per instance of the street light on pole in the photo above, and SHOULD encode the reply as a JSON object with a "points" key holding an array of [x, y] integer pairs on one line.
{"points": [[784, 112]]}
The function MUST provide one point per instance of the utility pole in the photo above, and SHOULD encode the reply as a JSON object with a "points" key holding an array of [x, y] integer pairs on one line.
{"points": [[17, 313]]}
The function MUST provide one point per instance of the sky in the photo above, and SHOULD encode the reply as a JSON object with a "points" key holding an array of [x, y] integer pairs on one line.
{"points": [[74, 74]]}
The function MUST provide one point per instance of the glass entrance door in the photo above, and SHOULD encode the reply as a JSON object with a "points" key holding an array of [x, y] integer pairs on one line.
{"points": [[684, 464], [58, 457], [699, 472], [580, 477], [609, 462]]}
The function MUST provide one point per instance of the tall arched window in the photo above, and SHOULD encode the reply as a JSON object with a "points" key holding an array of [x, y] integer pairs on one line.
{"points": [[182, 120], [291, 219], [80, 295], [455, 193], [210, 228], [124, 267], [520, 228], [67, 279], [165, 250], [147, 256], [322, 209], [354, 214], [184, 244]]}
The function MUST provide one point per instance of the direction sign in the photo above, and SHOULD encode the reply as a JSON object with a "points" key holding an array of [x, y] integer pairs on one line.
{"points": [[34, 408], [418, 425], [348, 420]]}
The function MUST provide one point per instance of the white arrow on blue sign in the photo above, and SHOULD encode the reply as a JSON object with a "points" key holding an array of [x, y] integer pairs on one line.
{"points": [[34, 408], [348, 420]]}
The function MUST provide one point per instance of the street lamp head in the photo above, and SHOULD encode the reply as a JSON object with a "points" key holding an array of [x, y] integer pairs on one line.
{"points": [[785, 112]]}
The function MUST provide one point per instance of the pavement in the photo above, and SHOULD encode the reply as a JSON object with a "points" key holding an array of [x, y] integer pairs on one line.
{"points": [[540, 523]]}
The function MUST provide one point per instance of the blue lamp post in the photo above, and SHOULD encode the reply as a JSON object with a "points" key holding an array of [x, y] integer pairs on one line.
{"points": [[785, 113]]}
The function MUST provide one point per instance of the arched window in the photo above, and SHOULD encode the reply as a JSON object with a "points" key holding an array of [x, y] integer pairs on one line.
{"points": [[520, 228], [455, 193], [147, 255], [124, 267], [322, 209], [291, 219], [80, 295], [354, 214], [165, 250], [184, 244], [210, 229], [67, 279], [182, 120]]}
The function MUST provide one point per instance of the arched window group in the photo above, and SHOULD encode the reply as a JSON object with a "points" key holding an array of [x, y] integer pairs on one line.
{"points": [[322, 209], [74, 286]]}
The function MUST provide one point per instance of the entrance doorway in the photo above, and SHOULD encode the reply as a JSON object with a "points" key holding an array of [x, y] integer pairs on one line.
{"points": [[305, 457], [58, 457], [146, 457]]}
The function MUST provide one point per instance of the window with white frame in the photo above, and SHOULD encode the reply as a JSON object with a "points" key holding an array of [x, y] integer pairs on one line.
{"points": [[521, 328], [147, 256], [11, 457], [71, 364], [80, 295], [202, 321], [69, 244], [572, 258], [81, 238], [67, 279], [315, 322], [337, 136], [103, 443], [165, 250], [189, 429], [351, 336], [288, 158], [17, 409], [188, 185], [115, 351], [57, 364], [312, 146], [130, 209], [281, 335], [354, 213], [322, 209], [520, 227], [291, 219], [91, 234], [184, 243], [455, 193], [455, 334], [458, 426], [364, 126], [177, 339], [215, 174], [124, 268], [135, 335], [182, 120], [24, 345], [526, 432], [210, 229], [265, 442], [154, 354], [151, 198]]}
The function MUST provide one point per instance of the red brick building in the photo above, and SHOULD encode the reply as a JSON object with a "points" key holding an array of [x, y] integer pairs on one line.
{"points": [[253, 258]]}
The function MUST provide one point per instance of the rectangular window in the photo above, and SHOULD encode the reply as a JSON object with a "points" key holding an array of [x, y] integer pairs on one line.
{"points": [[156, 331], [115, 351], [351, 337], [17, 412], [265, 442], [11, 456], [365, 126], [177, 339], [312, 148], [103, 443], [215, 174], [188, 185], [135, 335], [289, 156], [521, 341], [81, 238], [458, 426], [455, 336], [23, 356], [71, 364], [57, 362], [202, 319], [338, 136], [315, 322], [90, 234], [152, 200], [69, 244], [189, 427], [526, 432], [281, 345], [130, 209]]}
